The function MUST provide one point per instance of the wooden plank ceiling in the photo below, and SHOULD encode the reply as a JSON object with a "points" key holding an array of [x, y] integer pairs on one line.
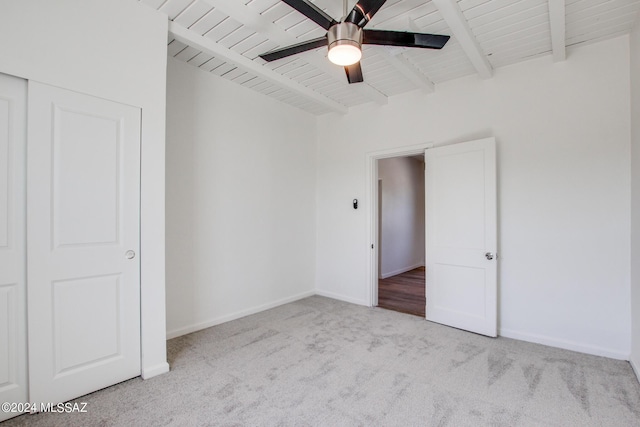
{"points": [[225, 37]]}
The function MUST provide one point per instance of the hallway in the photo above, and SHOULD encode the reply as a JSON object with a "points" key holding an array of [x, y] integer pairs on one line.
{"points": [[404, 292]]}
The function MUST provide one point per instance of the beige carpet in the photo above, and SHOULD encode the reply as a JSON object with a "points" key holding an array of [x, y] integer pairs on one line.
{"points": [[320, 362]]}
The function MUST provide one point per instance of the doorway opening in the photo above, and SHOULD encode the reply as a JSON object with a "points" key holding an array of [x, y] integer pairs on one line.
{"points": [[401, 234], [397, 188], [460, 233]]}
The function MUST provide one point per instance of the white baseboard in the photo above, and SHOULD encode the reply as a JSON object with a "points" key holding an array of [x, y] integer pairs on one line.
{"points": [[507, 333], [340, 297], [635, 368], [564, 344], [233, 316], [400, 271], [154, 371]]}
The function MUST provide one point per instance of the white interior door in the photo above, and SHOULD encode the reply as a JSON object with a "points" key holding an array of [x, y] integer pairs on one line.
{"points": [[461, 243], [13, 317], [83, 202]]}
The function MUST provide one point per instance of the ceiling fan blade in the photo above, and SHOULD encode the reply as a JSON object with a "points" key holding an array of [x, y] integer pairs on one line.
{"points": [[406, 39], [354, 73], [363, 11], [293, 49], [312, 12]]}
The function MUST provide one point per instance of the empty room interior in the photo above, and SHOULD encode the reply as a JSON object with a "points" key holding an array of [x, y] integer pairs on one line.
{"points": [[206, 207]]}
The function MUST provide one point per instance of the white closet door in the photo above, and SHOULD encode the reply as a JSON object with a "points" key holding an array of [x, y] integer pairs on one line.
{"points": [[83, 202], [13, 347]]}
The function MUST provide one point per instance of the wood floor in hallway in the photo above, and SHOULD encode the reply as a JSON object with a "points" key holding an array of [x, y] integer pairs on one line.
{"points": [[404, 292]]}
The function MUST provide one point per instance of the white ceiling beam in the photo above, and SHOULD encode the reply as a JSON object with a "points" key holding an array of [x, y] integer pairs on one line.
{"points": [[557, 22], [253, 20], [407, 69], [458, 24], [209, 46]]}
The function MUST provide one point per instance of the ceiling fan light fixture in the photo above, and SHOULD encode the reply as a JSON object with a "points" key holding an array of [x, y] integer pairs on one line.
{"points": [[345, 41], [345, 53]]}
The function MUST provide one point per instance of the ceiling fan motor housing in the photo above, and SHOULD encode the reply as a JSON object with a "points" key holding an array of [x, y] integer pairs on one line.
{"points": [[344, 33]]}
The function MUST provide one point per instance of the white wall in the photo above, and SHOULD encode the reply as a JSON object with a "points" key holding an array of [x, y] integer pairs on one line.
{"points": [[635, 199], [116, 50], [564, 184], [240, 200], [402, 215]]}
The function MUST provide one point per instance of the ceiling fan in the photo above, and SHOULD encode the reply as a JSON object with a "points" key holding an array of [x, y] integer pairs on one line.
{"points": [[345, 38]]}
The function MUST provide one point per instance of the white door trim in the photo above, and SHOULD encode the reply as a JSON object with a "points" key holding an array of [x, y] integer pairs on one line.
{"points": [[372, 191]]}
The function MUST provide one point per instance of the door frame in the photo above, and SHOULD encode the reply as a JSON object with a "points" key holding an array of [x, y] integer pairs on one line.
{"points": [[372, 225]]}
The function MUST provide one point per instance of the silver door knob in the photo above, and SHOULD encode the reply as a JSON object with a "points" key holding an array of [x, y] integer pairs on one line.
{"points": [[130, 254], [488, 256]]}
